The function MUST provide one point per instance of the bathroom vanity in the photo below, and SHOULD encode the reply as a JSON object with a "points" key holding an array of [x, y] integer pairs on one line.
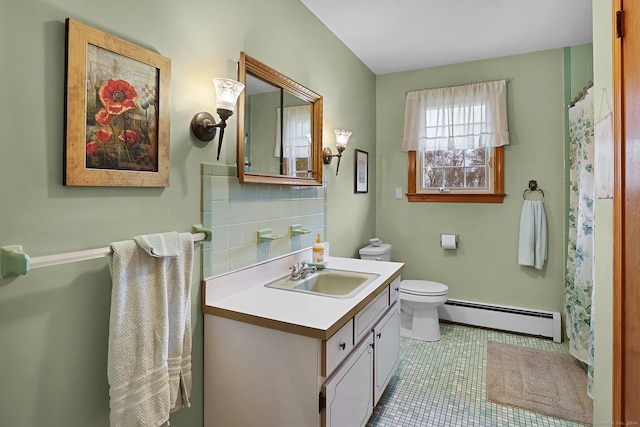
{"points": [[278, 358]]}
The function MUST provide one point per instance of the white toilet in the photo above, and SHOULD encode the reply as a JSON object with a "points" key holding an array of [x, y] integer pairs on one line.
{"points": [[419, 300]]}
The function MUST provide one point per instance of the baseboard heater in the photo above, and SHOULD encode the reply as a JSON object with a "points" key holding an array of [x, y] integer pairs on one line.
{"points": [[512, 319]]}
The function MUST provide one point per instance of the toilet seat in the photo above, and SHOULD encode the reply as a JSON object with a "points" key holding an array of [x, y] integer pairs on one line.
{"points": [[423, 288]]}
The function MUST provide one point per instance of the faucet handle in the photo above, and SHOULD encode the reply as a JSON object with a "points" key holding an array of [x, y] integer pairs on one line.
{"points": [[295, 268]]}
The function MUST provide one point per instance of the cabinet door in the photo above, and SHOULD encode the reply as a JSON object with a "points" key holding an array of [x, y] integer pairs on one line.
{"points": [[387, 350], [348, 391]]}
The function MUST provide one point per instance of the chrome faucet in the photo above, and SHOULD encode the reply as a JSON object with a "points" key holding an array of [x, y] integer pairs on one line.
{"points": [[301, 270]]}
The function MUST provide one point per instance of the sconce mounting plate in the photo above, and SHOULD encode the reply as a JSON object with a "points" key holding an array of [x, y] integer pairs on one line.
{"points": [[202, 126], [327, 155]]}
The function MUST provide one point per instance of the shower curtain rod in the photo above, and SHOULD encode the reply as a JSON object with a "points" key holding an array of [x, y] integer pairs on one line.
{"points": [[14, 262], [581, 94]]}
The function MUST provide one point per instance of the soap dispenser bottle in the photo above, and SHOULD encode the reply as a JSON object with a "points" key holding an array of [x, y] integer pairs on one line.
{"points": [[318, 251]]}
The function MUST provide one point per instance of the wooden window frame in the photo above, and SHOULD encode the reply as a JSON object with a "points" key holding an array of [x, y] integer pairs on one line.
{"points": [[496, 197]]}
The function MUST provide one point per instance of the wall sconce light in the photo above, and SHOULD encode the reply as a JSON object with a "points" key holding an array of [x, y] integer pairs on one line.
{"points": [[342, 137], [203, 125]]}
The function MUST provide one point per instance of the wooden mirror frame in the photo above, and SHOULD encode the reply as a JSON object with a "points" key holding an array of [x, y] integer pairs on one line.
{"points": [[251, 65]]}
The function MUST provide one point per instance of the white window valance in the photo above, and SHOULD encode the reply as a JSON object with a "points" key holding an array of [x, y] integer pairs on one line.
{"points": [[459, 117]]}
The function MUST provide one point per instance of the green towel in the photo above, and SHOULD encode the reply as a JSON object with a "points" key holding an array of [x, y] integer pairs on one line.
{"points": [[532, 248], [150, 343], [160, 245]]}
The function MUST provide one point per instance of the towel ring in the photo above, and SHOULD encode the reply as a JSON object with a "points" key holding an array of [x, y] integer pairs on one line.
{"points": [[533, 186]]}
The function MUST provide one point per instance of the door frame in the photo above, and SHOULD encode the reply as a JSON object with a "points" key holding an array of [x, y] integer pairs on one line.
{"points": [[625, 301], [618, 226]]}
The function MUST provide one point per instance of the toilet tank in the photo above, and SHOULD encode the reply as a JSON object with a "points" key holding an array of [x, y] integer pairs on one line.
{"points": [[376, 253]]}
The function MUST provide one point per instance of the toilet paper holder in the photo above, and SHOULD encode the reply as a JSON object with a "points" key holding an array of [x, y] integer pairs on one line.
{"points": [[449, 241]]}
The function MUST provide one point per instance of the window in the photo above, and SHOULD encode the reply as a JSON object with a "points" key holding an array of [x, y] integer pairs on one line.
{"points": [[454, 137], [295, 142]]}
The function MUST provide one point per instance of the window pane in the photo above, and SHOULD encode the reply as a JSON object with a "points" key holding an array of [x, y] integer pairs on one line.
{"points": [[454, 158], [433, 178], [476, 177], [475, 157], [435, 158], [454, 177]]}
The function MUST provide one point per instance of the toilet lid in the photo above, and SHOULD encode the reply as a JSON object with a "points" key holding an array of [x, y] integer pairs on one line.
{"points": [[381, 249], [423, 287]]}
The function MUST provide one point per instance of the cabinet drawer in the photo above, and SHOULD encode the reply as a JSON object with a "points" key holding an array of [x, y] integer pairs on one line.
{"points": [[394, 289], [337, 348], [365, 319]]}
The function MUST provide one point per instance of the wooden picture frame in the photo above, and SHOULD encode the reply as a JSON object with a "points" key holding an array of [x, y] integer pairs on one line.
{"points": [[361, 175], [117, 111]]}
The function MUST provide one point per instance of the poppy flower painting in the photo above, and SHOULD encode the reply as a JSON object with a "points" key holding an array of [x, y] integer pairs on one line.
{"points": [[117, 122], [121, 119]]}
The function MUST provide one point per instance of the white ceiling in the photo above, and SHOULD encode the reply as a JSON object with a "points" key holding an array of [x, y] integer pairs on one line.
{"points": [[391, 36]]}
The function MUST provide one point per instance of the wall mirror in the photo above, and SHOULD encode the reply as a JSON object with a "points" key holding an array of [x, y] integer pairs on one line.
{"points": [[279, 128]]}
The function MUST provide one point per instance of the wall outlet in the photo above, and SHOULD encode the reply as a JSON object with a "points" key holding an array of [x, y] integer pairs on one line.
{"points": [[398, 192]]}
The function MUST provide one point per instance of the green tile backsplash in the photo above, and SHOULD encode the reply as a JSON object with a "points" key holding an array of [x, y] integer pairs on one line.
{"points": [[235, 212]]}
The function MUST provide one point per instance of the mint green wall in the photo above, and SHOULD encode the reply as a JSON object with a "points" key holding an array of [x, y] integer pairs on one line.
{"points": [[485, 266], [603, 228], [54, 321], [581, 66], [577, 71]]}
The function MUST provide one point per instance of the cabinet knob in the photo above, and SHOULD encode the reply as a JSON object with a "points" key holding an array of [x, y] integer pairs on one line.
{"points": [[397, 288], [343, 345], [379, 334]]}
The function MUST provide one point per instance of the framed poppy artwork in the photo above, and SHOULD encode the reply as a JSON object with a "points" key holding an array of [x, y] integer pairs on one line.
{"points": [[117, 111]]}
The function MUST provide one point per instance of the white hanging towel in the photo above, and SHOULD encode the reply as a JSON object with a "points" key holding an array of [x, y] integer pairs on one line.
{"points": [[149, 354], [532, 250]]}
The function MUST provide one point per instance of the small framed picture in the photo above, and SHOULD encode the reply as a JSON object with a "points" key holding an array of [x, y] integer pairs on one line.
{"points": [[361, 172], [117, 111]]}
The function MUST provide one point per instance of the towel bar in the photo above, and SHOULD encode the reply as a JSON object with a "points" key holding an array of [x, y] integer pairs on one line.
{"points": [[14, 262]]}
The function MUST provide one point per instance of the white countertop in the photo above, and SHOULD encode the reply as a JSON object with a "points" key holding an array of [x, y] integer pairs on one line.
{"points": [[316, 316]]}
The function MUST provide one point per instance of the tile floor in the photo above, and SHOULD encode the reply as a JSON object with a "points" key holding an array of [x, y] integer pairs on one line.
{"points": [[442, 384]]}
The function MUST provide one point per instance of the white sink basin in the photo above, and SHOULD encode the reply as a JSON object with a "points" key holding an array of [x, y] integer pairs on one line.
{"points": [[327, 282]]}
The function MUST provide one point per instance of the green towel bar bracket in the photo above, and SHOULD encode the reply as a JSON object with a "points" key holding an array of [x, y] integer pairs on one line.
{"points": [[13, 262], [296, 230], [200, 229], [267, 235]]}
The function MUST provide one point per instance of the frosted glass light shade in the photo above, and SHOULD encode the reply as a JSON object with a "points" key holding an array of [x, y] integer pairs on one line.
{"points": [[227, 93], [342, 137]]}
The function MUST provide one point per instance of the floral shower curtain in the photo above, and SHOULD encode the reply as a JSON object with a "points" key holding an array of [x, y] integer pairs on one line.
{"points": [[579, 275]]}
